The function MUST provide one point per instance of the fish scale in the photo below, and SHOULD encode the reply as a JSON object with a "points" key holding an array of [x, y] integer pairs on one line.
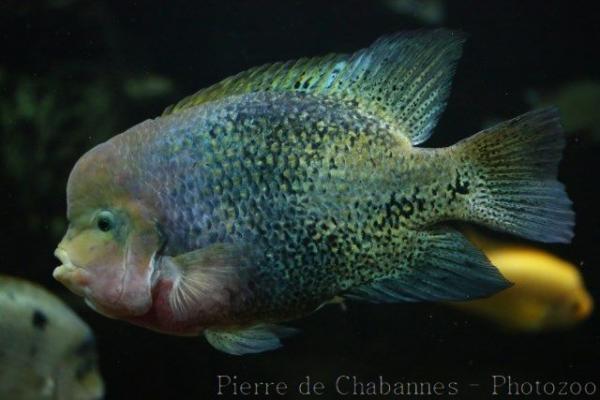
{"points": [[263, 197], [308, 158]]}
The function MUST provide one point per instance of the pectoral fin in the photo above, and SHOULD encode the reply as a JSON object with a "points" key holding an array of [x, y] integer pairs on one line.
{"points": [[256, 339], [211, 279]]}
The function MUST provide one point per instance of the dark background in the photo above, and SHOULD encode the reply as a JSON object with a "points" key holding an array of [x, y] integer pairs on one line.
{"points": [[68, 76]]}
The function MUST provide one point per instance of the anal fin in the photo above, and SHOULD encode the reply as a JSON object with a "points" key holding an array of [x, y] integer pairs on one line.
{"points": [[450, 269], [256, 339]]}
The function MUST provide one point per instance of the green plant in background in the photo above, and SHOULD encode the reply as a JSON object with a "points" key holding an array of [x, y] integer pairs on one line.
{"points": [[48, 122], [45, 123], [56, 102], [578, 102]]}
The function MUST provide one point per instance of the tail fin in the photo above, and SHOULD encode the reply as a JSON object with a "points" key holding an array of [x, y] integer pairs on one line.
{"points": [[517, 162]]}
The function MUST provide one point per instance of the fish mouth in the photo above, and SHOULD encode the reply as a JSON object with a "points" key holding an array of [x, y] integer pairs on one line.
{"points": [[63, 256], [69, 274]]}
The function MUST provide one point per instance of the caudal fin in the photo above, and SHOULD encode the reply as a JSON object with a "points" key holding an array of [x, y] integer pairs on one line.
{"points": [[517, 163]]}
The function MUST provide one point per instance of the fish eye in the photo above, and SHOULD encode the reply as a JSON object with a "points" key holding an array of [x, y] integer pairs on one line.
{"points": [[105, 221]]}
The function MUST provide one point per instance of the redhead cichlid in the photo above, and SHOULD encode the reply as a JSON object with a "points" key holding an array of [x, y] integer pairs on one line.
{"points": [[265, 196], [548, 292]]}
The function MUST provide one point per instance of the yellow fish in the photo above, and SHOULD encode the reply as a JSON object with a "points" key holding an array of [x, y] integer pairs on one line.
{"points": [[548, 292]]}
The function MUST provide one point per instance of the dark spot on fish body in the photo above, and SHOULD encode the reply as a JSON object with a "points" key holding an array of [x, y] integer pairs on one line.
{"points": [[39, 320], [410, 256], [86, 352], [86, 347], [402, 206], [461, 187], [332, 241]]}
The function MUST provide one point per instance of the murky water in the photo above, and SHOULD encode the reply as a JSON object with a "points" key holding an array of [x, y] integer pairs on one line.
{"points": [[75, 73]]}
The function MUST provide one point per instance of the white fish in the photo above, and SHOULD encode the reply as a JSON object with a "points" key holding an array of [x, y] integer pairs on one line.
{"points": [[46, 350]]}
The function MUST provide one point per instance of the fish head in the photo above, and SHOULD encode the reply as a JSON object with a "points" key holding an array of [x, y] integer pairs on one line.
{"points": [[571, 307], [109, 259], [583, 306], [109, 252]]}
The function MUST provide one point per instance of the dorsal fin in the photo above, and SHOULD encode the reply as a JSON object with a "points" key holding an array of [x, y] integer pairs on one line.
{"points": [[402, 78]]}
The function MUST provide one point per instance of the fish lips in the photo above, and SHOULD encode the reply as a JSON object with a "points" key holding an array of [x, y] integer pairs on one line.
{"points": [[75, 278], [85, 283]]}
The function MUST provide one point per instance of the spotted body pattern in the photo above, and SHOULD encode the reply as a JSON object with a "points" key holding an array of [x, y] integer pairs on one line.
{"points": [[275, 191], [315, 187]]}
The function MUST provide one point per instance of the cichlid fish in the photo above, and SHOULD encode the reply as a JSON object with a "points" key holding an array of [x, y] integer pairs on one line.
{"points": [[46, 350], [261, 198], [548, 292]]}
